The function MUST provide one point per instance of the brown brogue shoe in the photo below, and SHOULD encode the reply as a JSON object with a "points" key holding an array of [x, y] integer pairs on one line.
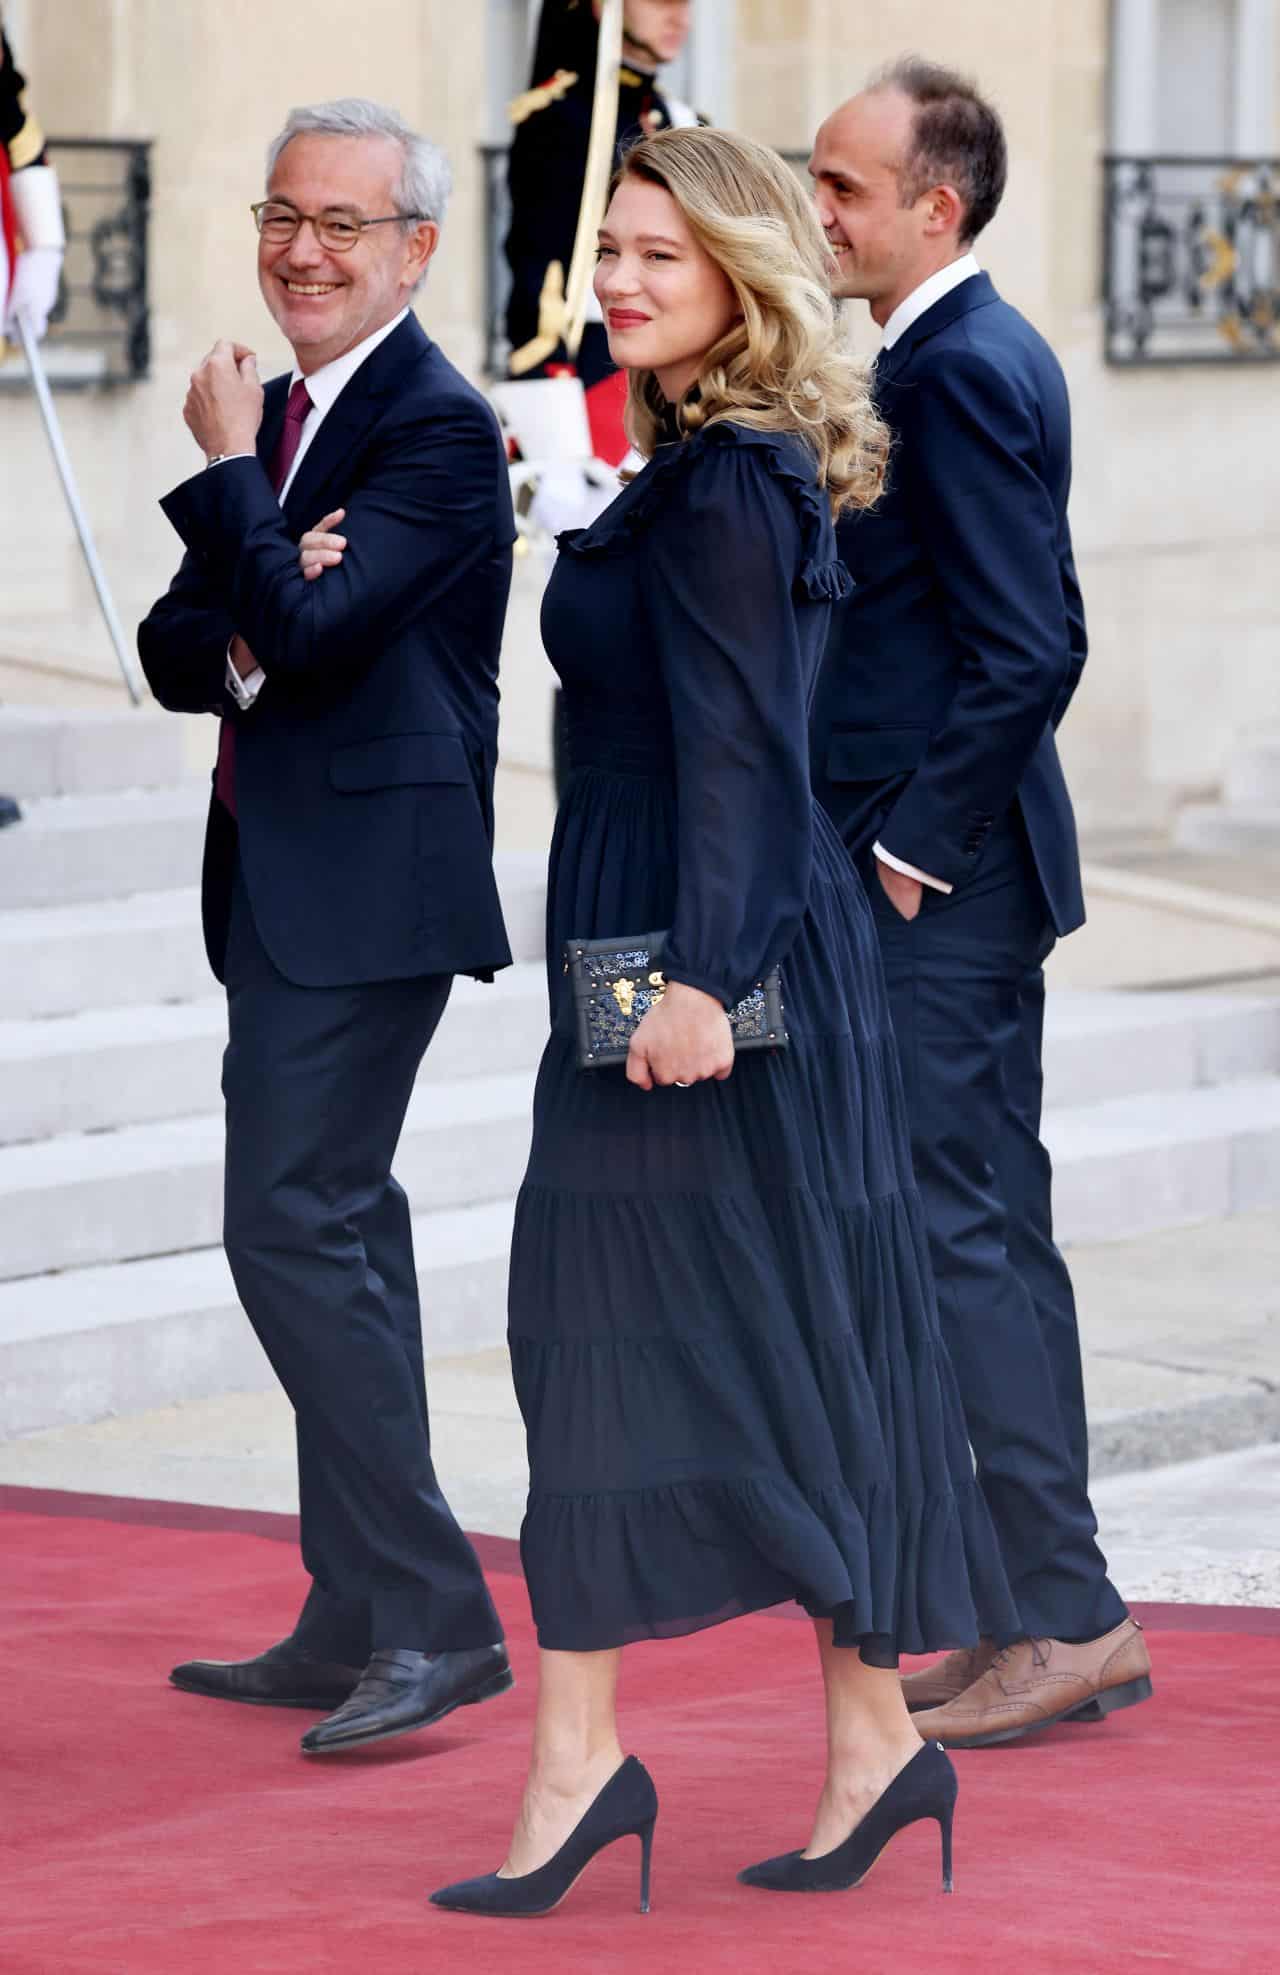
{"points": [[1039, 1682], [933, 1686]]}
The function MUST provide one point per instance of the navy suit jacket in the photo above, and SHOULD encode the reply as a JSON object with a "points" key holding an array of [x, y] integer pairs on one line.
{"points": [[364, 772], [956, 656]]}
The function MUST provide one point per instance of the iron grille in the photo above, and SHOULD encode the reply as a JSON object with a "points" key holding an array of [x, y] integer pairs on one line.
{"points": [[1192, 260], [100, 331]]}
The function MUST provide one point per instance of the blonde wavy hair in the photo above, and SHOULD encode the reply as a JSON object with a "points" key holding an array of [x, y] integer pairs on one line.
{"points": [[786, 365]]}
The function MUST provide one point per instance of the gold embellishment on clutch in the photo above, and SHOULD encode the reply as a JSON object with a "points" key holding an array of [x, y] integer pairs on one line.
{"points": [[617, 981]]}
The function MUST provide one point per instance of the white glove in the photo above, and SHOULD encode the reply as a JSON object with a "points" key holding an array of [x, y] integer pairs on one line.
{"points": [[35, 289], [38, 211]]}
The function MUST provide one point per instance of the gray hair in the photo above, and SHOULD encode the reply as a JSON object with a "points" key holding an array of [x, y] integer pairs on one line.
{"points": [[425, 177]]}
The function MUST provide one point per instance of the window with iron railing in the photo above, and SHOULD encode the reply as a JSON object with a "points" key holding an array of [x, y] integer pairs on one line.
{"points": [[100, 331], [1192, 260], [1191, 191]]}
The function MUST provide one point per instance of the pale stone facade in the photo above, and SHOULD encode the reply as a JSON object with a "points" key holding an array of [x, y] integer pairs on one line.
{"points": [[1176, 509]]}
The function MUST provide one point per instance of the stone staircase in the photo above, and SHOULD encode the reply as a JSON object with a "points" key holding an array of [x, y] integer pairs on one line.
{"points": [[113, 1293], [1248, 816], [114, 1296]]}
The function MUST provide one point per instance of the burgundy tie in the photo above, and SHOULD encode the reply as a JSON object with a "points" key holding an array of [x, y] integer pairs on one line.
{"points": [[295, 414]]}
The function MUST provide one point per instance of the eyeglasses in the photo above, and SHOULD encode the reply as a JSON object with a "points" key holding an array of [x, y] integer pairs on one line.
{"points": [[337, 231]]}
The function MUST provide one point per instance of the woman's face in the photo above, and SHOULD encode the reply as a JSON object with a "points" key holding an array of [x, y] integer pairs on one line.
{"points": [[665, 300]]}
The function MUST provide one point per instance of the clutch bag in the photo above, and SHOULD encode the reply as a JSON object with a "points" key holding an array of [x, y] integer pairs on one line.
{"points": [[617, 981]]}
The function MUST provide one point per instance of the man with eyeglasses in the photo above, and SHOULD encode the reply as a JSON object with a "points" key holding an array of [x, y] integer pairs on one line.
{"points": [[347, 877]]}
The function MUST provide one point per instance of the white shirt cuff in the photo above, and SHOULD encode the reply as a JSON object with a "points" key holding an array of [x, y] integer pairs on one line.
{"points": [[910, 871], [244, 691]]}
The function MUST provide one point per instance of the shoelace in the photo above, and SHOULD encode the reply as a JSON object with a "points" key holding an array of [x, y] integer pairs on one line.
{"points": [[1039, 1654]]}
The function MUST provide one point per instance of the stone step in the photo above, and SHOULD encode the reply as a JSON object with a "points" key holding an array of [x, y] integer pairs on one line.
{"points": [[115, 953], [1164, 1159], [98, 1341], [1253, 773], [147, 948], [72, 850], [1100, 1045], [156, 1329], [48, 752], [127, 1066], [121, 1065], [68, 849], [1240, 827], [155, 1189]]}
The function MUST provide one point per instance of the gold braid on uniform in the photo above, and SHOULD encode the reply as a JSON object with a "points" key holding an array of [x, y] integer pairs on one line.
{"points": [[521, 108], [29, 143]]}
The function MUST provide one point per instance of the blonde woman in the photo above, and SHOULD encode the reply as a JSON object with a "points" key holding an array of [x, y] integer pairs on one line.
{"points": [[722, 1322]]}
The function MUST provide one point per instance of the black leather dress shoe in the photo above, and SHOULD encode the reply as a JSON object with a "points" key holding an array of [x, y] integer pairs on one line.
{"points": [[9, 811], [400, 1690], [282, 1677]]}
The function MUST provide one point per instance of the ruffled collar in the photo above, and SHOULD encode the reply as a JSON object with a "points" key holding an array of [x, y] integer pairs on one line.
{"points": [[821, 575], [669, 431]]}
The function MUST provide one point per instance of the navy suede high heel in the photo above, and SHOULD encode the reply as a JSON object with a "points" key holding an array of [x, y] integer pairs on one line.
{"points": [[627, 1807], [927, 1787]]}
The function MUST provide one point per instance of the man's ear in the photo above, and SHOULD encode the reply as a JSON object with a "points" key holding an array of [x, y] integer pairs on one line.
{"points": [[945, 210], [422, 244]]}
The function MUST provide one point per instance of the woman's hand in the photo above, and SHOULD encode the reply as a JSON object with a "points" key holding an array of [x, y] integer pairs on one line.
{"points": [[684, 1040], [319, 548]]}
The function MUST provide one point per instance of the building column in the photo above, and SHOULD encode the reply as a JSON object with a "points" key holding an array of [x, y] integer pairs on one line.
{"points": [[1254, 109], [1135, 30], [712, 43]]}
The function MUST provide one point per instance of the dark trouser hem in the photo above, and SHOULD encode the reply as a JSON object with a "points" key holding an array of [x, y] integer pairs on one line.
{"points": [[350, 1632]]}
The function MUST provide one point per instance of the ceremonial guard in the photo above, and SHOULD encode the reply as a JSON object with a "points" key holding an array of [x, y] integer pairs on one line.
{"points": [[553, 200], [31, 232], [549, 159]]}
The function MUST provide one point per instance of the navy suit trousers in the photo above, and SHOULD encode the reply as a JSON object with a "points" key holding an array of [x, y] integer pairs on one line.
{"points": [[317, 1232], [966, 990]]}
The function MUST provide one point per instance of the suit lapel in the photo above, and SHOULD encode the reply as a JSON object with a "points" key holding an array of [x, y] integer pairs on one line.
{"points": [[975, 293], [275, 398], [350, 417]]}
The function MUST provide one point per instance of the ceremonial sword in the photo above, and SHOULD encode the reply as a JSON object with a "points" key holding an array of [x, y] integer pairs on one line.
{"points": [[595, 187], [562, 305], [44, 398]]}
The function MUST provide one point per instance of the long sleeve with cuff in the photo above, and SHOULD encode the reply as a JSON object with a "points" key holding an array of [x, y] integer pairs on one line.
{"points": [[723, 559], [425, 514]]}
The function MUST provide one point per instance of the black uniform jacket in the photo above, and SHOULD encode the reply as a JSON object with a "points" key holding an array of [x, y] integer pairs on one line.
{"points": [[545, 175]]}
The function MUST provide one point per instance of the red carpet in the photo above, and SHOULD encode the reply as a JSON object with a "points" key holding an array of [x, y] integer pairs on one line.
{"points": [[153, 1833]]}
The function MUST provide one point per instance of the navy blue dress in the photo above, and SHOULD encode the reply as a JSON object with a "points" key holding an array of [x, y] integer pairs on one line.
{"points": [[723, 1328]]}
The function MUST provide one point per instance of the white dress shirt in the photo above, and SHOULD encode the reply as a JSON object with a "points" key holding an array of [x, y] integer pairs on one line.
{"points": [[908, 311], [324, 387], [913, 306]]}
